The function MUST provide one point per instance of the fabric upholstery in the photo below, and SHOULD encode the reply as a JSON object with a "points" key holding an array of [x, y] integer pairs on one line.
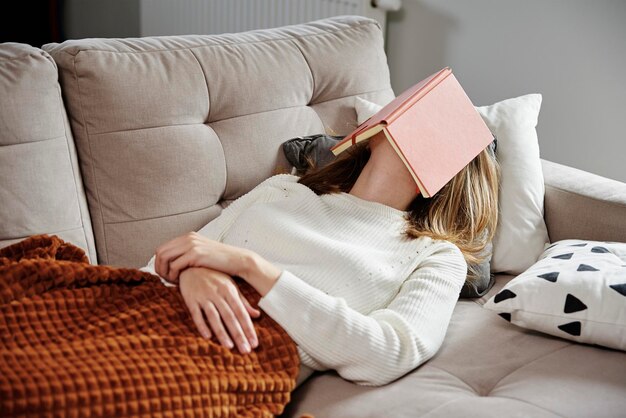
{"points": [[582, 205], [41, 189], [486, 367], [166, 130]]}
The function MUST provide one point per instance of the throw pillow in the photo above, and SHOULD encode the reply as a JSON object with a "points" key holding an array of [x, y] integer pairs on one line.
{"points": [[576, 290], [365, 109], [314, 148], [521, 233]]}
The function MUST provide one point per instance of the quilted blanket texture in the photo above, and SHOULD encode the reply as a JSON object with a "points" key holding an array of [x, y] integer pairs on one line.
{"points": [[82, 340]]}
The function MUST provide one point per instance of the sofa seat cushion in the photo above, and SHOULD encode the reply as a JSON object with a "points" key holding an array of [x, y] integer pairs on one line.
{"points": [[486, 367]]}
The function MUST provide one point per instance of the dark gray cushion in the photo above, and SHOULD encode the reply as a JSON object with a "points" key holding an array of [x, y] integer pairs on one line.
{"points": [[315, 148]]}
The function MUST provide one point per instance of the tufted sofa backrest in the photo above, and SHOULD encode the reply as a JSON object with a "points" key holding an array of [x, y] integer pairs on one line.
{"points": [[169, 130]]}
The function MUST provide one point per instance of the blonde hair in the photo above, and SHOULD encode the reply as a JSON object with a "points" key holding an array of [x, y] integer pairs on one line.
{"points": [[464, 211]]}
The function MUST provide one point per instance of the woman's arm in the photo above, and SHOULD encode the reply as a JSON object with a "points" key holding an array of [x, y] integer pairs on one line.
{"points": [[377, 348], [194, 250], [215, 229]]}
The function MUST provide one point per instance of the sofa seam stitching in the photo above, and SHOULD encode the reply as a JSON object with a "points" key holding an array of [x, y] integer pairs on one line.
{"points": [[526, 364], [36, 141], [314, 84], [208, 117], [69, 154], [93, 165], [293, 41], [165, 216], [529, 403], [438, 407], [303, 106], [22, 237], [238, 116], [476, 392], [353, 95], [148, 127], [206, 82]]}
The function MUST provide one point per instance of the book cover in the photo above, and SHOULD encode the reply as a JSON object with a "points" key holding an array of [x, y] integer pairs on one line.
{"points": [[434, 128]]}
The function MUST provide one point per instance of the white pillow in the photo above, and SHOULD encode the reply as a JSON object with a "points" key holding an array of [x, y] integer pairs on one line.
{"points": [[521, 233], [576, 290], [365, 109]]}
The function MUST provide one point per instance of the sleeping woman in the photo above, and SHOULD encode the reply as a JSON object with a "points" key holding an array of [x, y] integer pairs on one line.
{"points": [[359, 269]]}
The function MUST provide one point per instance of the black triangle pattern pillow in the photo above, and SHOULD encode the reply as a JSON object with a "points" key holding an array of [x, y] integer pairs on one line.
{"points": [[576, 290]]}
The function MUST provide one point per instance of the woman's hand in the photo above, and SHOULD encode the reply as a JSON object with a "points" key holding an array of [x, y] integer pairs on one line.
{"points": [[217, 295], [195, 250]]}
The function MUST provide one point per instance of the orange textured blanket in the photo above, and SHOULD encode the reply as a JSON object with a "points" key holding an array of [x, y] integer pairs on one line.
{"points": [[84, 340]]}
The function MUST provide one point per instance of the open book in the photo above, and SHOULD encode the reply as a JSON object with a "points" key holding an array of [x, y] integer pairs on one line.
{"points": [[434, 128]]}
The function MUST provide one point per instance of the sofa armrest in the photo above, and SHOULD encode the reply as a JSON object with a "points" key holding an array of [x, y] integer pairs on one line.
{"points": [[582, 205]]}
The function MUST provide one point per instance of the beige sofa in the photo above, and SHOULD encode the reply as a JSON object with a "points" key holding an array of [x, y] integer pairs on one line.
{"points": [[120, 144]]}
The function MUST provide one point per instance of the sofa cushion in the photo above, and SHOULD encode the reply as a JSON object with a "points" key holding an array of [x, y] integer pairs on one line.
{"points": [[42, 190], [168, 129], [486, 367]]}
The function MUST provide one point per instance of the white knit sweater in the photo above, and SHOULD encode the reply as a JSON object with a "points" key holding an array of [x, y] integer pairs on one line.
{"points": [[354, 294]]}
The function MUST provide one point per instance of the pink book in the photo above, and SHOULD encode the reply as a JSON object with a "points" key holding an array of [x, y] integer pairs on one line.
{"points": [[434, 128]]}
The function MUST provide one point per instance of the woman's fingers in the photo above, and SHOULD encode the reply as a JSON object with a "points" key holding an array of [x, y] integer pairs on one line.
{"points": [[190, 252], [249, 308], [167, 253], [232, 323], [179, 264], [243, 318], [216, 324], [196, 315]]}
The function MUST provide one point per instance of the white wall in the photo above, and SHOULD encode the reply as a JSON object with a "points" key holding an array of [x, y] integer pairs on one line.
{"points": [[573, 52]]}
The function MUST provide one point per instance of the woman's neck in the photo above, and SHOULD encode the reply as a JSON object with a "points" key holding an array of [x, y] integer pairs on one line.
{"points": [[385, 179]]}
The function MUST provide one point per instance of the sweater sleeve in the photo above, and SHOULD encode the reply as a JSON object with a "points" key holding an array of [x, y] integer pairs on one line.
{"points": [[217, 227], [377, 348]]}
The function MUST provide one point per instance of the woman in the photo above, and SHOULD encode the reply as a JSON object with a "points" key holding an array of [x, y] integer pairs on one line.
{"points": [[361, 271]]}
